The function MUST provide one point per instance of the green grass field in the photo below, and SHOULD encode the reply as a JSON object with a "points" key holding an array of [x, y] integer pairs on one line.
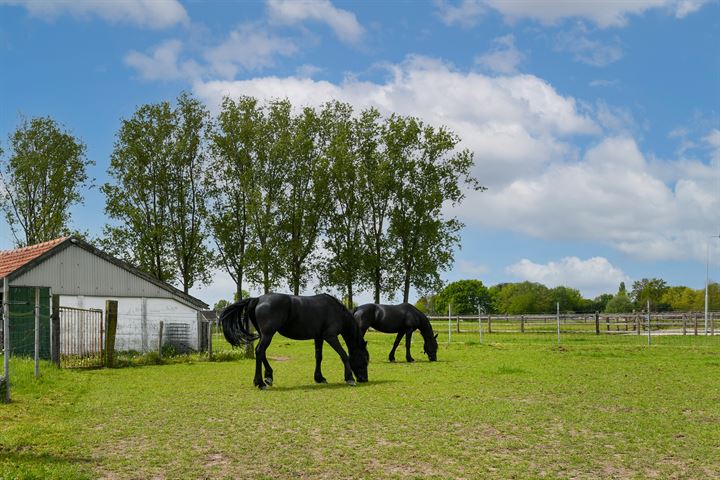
{"points": [[514, 407]]}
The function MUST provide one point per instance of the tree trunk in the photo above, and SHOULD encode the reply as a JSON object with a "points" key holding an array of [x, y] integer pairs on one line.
{"points": [[377, 285], [349, 295], [406, 289]]}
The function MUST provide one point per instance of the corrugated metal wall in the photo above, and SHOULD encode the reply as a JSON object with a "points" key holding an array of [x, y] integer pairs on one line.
{"points": [[75, 271]]}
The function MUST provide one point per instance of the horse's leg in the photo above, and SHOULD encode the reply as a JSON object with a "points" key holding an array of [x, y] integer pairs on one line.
{"points": [[391, 357], [335, 344], [408, 339], [268, 371], [260, 359], [318, 361]]}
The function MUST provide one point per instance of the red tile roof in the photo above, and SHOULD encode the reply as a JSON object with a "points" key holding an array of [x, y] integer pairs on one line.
{"points": [[11, 260]]}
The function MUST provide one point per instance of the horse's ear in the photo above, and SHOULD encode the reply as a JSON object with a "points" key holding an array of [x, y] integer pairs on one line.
{"points": [[436, 335]]}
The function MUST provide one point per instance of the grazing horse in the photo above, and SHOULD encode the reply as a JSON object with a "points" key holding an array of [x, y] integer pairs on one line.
{"points": [[319, 317], [402, 319]]}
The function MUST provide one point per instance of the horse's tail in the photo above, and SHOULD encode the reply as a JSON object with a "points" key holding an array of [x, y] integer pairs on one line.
{"points": [[236, 322]]}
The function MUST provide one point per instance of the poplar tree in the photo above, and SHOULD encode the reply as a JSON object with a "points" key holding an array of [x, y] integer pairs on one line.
{"points": [[43, 176]]}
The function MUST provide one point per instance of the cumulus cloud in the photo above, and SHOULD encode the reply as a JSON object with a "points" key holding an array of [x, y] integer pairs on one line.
{"points": [[592, 276], [503, 58], [525, 137], [548, 12], [144, 13], [516, 125], [342, 22]]}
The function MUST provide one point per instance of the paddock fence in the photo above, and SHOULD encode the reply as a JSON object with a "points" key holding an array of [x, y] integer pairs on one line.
{"points": [[668, 323], [81, 337]]}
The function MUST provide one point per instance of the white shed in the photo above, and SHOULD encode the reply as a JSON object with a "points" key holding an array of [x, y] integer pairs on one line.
{"points": [[85, 277]]}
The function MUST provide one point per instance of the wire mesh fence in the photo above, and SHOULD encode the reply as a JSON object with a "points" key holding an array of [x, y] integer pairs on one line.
{"points": [[81, 337]]}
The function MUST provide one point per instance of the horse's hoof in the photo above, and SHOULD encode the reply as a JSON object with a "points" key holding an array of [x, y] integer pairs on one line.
{"points": [[269, 381], [392, 359], [351, 383], [322, 380], [263, 387], [410, 360]]}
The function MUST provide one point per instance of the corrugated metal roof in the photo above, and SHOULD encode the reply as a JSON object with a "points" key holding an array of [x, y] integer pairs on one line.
{"points": [[11, 260]]}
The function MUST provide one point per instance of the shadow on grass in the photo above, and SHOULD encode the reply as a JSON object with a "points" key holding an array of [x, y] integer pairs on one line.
{"points": [[14, 464], [329, 386]]}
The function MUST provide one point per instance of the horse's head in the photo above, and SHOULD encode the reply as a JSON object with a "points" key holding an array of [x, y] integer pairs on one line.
{"points": [[359, 359], [431, 347]]}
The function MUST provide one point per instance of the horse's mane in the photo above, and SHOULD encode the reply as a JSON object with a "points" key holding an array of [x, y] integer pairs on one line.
{"points": [[354, 328]]}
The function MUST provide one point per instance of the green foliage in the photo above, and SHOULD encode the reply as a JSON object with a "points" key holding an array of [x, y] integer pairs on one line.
{"points": [[157, 197], [648, 289], [429, 176], [570, 299], [464, 297], [619, 304], [426, 304], [41, 179], [520, 298]]}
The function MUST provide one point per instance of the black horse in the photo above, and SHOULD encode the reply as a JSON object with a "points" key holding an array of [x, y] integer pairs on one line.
{"points": [[402, 319], [319, 317]]}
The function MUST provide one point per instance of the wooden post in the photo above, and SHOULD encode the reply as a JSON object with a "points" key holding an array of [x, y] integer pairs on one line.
{"points": [[637, 323], [111, 312], [210, 334], [458, 323], [558, 321], [607, 323], [160, 334], [648, 322], [489, 323], [597, 323], [449, 323], [522, 323], [5, 384], [712, 324], [695, 320], [37, 332], [684, 324], [55, 331]]}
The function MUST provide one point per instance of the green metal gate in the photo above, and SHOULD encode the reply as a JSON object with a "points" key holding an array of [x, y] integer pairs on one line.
{"points": [[22, 321]]}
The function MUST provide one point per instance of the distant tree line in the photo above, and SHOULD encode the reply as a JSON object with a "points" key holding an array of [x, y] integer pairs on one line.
{"points": [[273, 194], [465, 297]]}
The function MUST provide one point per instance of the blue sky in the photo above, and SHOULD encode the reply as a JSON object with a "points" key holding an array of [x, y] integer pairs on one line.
{"points": [[594, 125]]}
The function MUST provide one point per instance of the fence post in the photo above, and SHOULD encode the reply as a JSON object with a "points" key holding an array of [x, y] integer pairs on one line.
{"points": [[648, 322], [557, 314], [597, 323], [111, 312], [637, 323], [37, 332], [458, 323], [449, 323], [712, 324], [684, 324], [5, 383], [160, 334], [489, 323], [210, 334], [55, 331], [695, 320], [522, 323]]}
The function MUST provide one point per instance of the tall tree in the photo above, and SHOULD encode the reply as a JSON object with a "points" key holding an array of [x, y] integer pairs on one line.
{"points": [[43, 177], [343, 267], [272, 148], [430, 174], [376, 184], [233, 142], [187, 193], [648, 289], [138, 198], [306, 199], [464, 297]]}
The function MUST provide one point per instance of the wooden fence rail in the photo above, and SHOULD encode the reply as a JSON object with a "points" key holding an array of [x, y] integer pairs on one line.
{"points": [[679, 323]]}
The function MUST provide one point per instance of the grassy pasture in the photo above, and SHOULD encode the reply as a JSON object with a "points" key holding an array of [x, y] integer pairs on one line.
{"points": [[514, 407]]}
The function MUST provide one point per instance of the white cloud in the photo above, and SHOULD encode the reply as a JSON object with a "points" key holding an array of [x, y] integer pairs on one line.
{"points": [[593, 52], [592, 277], [466, 13], [162, 63], [549, 12], [503, 58], [516, 125], [248, 47], [342, 22], [467, 267], [145, 13], [604, 83]]}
